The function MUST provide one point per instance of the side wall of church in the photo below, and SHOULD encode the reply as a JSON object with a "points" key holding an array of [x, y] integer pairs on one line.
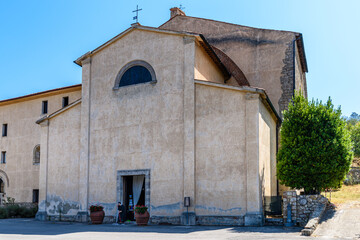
{"points": [[140, 126], [22, 137], [62, 196], [235, 156], [220, 152], [267, 152]]}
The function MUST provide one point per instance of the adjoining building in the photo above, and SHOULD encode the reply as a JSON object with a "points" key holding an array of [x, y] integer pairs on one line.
{"points": [[189, 109]]}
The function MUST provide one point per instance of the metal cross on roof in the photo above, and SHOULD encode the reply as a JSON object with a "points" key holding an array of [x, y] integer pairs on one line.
{"points": [[137, 12]]}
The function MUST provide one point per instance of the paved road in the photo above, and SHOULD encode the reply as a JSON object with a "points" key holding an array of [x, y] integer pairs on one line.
{"points": [[24, 229], [342, 223]]}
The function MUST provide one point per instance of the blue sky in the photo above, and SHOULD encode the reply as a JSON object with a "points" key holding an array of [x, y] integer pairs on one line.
{"points": [[40, 39]]}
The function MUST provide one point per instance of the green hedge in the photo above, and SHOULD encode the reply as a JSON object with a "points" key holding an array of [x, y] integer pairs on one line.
{"points": [[14, 210]]}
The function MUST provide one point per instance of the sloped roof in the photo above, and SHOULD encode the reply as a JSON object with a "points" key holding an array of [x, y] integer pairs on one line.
{"points": [[220, 25], [232, 67], [41, 94], [58, 112]]}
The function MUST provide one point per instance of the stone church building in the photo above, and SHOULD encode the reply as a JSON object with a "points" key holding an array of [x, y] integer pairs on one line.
{"points": [[189, 109]]}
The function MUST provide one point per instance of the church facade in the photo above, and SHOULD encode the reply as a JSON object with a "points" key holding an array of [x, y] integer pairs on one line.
{"points": [[162, 114]]}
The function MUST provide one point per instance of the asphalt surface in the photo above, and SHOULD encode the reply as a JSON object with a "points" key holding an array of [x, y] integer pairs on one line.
{"points": [[340, 223], [20, 229]]}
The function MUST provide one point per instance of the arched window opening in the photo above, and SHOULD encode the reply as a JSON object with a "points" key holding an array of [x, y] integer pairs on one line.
{"points": [[36, 154], [2, 186], [135, 75], [135, 72]]}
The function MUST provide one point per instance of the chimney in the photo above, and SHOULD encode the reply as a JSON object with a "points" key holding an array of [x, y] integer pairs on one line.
{"points": [[176, 11]]}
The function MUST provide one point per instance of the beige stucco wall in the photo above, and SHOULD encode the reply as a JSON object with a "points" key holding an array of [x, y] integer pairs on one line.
{"points": [[300, 77], [63, 162], [267, 151], [205, 68], [140, 126], [205, 140], [220, 151], [235, 151], [23, 136]]}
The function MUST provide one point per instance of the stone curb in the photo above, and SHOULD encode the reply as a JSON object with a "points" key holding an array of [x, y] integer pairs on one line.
{"points": [[314, 219]]}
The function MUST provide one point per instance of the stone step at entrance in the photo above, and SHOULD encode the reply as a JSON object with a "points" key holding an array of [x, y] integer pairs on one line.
{"points": [[274, 221]]}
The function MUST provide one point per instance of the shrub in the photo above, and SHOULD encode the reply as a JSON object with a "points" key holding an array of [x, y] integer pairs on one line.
{"points": [[13, 210], [315, 150], [17, 211], [355, 138], [25, 212], [3, 213]]}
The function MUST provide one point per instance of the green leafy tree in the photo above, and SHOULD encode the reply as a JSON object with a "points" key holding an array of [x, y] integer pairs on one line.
{"points": [[355, 138], [315, 151]]}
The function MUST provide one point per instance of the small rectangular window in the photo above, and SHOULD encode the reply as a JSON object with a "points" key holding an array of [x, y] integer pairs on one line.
{"points": [[35, 196], [3, 157], [44, 107], [65, 101], [4, 130]]}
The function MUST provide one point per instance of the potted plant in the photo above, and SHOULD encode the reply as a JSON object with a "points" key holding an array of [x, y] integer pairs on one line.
{"points": [[141, 215], [97, 214]]}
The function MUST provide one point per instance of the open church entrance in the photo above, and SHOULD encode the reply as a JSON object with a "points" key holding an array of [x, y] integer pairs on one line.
{"points": [[133, 194]]}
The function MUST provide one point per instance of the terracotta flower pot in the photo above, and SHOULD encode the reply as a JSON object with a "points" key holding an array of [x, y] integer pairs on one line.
{"points": [[97, 217], [142, 219]]}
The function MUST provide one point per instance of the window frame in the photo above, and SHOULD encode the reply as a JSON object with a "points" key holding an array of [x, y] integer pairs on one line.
{"points": [[65, 100], [3, 157], [130, 65], [35, 197], [34, 155], [45, 107], [4, 130], [2, 186]]}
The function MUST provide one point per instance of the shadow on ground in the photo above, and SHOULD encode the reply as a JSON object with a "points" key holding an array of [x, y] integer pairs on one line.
{"points": [[32, 227], [328, 214]]}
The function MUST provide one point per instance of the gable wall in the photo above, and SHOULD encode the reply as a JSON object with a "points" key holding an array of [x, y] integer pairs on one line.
{"points": [[140, 126]]}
